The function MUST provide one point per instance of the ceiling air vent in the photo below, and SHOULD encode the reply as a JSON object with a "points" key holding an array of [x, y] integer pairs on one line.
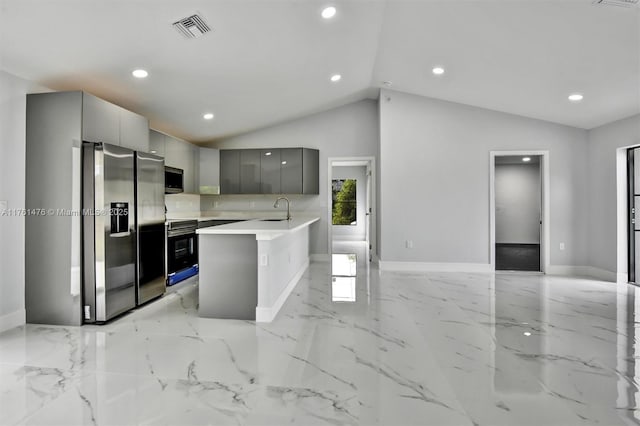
{"points": [[192, 26], [620, 3]]}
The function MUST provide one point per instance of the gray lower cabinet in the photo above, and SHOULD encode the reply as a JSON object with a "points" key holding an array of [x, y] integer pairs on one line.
{"points": [[230, 171], [269, 171], [250, 171]]}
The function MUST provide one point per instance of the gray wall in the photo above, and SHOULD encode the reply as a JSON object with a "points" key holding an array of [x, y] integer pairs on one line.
{"points": [[434, 172], [352, 232], [602, 146], [518, 199], [347, 131], [12, 190]]}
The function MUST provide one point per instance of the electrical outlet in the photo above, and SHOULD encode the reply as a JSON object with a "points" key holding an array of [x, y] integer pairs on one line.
{"points": [[409, 244], [561, 246], [264, 260], [252, 204], [215, 204]]}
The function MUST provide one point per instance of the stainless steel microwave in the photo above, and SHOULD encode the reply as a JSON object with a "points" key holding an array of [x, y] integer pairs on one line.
{"points": [[173, 180]]}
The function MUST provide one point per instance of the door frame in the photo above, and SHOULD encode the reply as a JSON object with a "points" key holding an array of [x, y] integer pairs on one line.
{"points": [[545, 237], [370, 163]]}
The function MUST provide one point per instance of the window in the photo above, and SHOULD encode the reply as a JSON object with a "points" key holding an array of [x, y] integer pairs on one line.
{"points": [[344, 202]]}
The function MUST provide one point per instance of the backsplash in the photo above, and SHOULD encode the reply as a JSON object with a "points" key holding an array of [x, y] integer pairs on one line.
{"points": [[195, 203], [182, 203], [300, 203]]}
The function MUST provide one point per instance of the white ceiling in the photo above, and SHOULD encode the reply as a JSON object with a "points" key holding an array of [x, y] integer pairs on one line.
{"points": [[269, 61]]}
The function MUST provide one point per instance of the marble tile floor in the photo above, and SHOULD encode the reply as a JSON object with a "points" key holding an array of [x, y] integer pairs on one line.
{"points": [[412, 349]]}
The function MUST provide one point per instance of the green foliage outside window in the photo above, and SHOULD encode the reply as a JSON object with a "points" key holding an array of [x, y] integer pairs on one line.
{"points": [[344, 202]]}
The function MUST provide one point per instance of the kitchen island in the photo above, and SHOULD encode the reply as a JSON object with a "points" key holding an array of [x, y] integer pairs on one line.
{"points": [[249, 268]]}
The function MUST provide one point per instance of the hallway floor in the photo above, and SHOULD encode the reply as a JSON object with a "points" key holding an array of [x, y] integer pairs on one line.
{"points": [[412, 349]]}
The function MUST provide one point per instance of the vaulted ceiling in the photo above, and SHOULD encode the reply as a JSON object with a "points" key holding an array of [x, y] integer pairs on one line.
{"points": [[268, 61]]}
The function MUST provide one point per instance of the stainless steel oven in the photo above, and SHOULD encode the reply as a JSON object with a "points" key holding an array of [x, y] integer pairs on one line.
{"points": [[182, 250]]}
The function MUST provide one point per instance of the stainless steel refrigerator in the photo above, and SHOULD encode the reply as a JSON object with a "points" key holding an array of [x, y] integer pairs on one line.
{"points": [[123, 230], [150, 228]]}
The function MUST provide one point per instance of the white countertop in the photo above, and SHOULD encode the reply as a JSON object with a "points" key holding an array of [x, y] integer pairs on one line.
{"points": [[264, 230]]}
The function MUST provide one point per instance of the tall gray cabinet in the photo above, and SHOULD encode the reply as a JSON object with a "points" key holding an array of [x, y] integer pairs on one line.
{"points": [[57, 123]]}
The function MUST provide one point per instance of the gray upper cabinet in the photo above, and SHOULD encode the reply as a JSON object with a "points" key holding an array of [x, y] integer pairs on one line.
{"points": [[100, 120], [250, 171], [209, 159], [270, 171], [291, 170], [183, 155], [156, 143], [134, 131], [109, 123], [310, 171], [230, 171]]}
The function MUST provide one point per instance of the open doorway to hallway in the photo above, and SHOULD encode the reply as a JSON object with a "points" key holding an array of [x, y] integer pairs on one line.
{"points": [[350, 205], [519, 211]]}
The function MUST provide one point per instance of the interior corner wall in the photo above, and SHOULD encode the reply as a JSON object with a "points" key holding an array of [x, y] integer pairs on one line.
{"points": [[347, 131], [518, 198], [13, 92], [603, 142], [434, 172]]}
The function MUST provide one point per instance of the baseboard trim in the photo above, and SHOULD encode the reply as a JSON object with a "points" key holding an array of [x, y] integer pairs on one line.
{"points": [[433, 267], [588, 271], [320, 257], [267, 314], [12, 320]]}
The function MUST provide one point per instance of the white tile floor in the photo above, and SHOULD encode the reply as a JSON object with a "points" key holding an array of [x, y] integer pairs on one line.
{"points": [[420, 349]]}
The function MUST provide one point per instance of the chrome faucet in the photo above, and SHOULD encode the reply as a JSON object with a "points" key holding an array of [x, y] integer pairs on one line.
{"points": [[275, 206]]}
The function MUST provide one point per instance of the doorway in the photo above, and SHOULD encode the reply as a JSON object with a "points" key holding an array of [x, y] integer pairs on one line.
{"points": [[350, 204], [633, 224], [518, 211]]}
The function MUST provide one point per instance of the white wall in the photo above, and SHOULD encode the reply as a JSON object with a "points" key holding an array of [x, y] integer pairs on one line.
{"points": [[355, 232], [347, 131], [602, 214], [13, 92], [518, 201], [434, 173]]}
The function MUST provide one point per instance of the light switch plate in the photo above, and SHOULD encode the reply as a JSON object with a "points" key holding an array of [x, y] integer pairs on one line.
{"points": [[4, 205], [561, 246], [264, 260]]}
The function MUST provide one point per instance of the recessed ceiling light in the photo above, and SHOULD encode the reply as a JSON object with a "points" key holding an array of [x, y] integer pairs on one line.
{"points": [[284, 162], [329, 12], [153, 151], [438, 70], [576, 97], [267, 153], [140, 73], [208, 116], [336, 77], [387, 83], [526, 159], [526, 333]]}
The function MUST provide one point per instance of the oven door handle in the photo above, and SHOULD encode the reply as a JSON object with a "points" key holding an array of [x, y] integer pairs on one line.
{"points": [[179, 233]]}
